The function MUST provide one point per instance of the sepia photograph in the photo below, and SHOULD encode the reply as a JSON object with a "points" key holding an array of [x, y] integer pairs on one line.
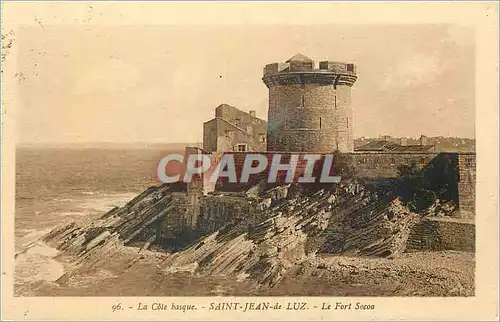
{"points": [[242, 162]]}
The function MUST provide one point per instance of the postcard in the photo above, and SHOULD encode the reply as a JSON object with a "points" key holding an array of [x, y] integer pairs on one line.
{"points": [[229, 161]]}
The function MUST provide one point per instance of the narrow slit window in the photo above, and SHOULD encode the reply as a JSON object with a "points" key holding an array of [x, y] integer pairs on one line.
{"points": [[320, 123], [285, 123], [347, 119], [303, 100]]}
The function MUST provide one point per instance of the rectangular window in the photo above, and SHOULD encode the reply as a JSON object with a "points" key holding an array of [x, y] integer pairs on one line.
{"points": [[242, 147], [350, 67]]}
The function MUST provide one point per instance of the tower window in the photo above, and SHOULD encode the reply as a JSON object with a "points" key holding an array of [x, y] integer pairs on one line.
{"points": [[242, 147]]}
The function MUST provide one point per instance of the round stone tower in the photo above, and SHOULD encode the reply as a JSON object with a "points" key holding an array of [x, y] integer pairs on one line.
{"points": [[309, 105]]}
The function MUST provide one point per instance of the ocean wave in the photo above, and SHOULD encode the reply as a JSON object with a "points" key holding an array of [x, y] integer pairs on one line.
{"points": [[38, 264], [35, 259], [106, 202], [63, 199], [88, 193], [29, 236], [74, 213]]}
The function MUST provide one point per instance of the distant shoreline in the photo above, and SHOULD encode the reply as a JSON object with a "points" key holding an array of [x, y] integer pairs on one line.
{"points": [[441, 143], [106, 145]]}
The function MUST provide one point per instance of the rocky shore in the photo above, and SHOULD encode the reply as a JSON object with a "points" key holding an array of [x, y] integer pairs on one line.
{"points": [[348, 239]]}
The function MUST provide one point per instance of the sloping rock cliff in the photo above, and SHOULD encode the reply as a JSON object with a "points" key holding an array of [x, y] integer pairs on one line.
{"points": [[288, 224]]}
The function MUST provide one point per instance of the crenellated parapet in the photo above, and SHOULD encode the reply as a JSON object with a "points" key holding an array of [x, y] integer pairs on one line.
{"points": [[299, 72]]}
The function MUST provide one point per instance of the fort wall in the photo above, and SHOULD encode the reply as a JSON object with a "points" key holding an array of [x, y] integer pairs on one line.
{"points": [[202, 209], [376, 165], [193, 215], [456, 169], [467, 183], [218, 211], [442, 234]]}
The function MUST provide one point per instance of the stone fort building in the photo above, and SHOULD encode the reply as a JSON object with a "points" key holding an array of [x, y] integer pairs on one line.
{"points": [[310, 105], [234, 130], [310, 110], [257, 227]]}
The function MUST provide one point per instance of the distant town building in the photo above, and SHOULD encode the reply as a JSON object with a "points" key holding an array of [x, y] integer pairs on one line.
{"points": [[394, 147], [423, 140], [233, 130]]}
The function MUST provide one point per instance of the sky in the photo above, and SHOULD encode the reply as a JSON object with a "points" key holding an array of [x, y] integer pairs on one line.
{"points": [[160, 83]]}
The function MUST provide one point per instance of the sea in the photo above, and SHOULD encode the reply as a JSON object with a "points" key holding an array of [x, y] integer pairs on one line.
{"points": [[57, 185]]}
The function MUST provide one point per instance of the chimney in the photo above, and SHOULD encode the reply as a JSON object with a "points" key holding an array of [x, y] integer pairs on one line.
{"points": [[403, 141], [253, 113]]}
